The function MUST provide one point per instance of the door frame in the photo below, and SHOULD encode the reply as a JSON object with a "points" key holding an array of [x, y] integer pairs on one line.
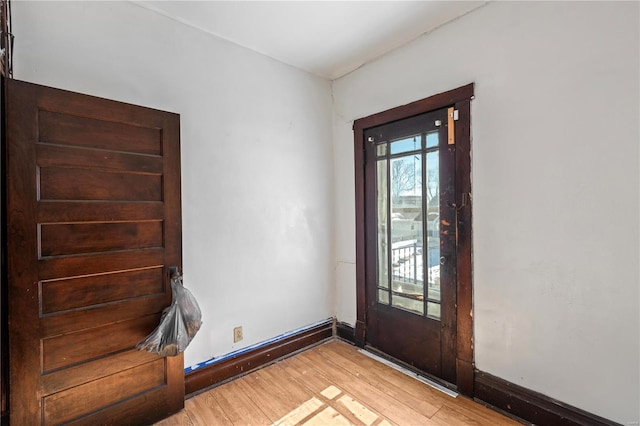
{"points": [[460, 99]]}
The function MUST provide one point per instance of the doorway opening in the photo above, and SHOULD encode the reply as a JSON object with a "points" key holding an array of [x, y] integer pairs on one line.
{"points": [[413, 235]]}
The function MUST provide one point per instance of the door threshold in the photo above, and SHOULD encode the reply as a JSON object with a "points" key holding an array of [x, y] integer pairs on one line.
{"points": [[409, 373]]}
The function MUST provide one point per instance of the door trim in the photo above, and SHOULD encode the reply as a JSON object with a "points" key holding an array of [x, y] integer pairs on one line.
{"points": [[459, 98]]}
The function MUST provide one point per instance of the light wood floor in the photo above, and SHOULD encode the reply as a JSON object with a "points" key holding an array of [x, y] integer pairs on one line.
{"points": [[331, 384]]}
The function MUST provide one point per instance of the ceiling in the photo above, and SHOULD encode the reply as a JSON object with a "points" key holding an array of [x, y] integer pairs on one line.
{"points": [[326, 38]]}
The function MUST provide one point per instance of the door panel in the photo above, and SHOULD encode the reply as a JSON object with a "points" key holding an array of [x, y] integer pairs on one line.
{"points": [[73, 130], [410, 254], [57, 183], [62, 407], [93, 214], [97, 289], [409, 338]]}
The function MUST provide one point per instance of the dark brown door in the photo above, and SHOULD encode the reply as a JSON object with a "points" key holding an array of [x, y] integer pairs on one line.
{"points": [[93, 217], [410, 247]]}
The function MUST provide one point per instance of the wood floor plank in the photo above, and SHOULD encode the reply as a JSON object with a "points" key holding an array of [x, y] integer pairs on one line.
{"points": [[178, 419], [382, 373], [305, 375], [328, 416], [421, 405], [237, 406], [379, 374], [302, 412], [418, 395], [272, 401], [397, 411], [361, 412], [331, 384], [446, 417], [323, 388], [289, 389], [483, 415], [204, 410]]}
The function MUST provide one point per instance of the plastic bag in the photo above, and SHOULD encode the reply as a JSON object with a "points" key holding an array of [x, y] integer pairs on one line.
{"points": [[178, 325]]}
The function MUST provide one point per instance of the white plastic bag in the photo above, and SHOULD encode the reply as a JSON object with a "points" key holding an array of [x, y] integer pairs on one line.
{"points": [[178, 325]]}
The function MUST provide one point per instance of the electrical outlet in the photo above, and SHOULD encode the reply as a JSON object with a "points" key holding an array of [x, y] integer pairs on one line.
{"points": [[237, 334]]}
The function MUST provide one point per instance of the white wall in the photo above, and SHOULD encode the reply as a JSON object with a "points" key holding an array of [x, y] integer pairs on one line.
{"points": [[256, 156], [555, 127]]}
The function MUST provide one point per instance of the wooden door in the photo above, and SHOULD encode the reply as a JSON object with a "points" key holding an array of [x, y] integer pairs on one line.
{"points": [[94, 223], [411, 291]]}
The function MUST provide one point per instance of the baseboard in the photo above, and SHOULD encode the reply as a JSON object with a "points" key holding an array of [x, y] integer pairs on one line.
{"points": [[227, 368], [346, 332], [529, 405]]}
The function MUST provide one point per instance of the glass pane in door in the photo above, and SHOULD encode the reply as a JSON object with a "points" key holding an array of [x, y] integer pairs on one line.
{"points": [[407, 282], [433, 233], [433, 139], [381, 207], [412, 143]]}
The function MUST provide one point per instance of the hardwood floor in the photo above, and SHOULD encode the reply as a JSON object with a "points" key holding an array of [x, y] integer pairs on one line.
{"points": [[331, 384]]}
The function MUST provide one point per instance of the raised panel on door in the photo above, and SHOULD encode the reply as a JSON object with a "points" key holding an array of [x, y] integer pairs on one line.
{"points": [[93, 221]]}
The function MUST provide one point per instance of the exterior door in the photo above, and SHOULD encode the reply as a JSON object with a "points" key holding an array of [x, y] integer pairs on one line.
{"points": [[93, 224], [411, 290]]}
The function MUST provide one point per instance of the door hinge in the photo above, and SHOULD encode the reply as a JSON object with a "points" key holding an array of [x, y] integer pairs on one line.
{"points": [[466, 198]]}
